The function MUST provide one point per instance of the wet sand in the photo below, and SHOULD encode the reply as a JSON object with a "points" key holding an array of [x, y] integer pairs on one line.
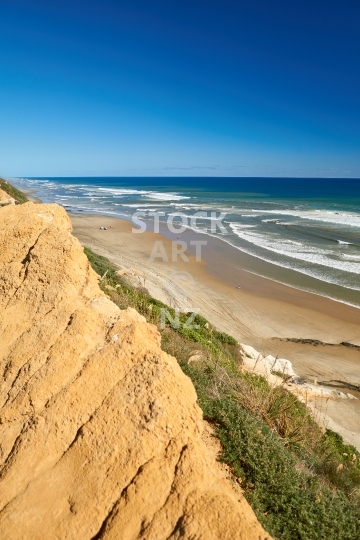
{"points": [[260, 313]]}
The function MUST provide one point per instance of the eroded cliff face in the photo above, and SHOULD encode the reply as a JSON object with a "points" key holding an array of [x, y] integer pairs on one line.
{"points": [[5, 198], [99, 428]]}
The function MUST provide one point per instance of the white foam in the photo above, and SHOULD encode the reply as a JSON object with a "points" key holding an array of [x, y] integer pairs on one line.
{"points": [[160, 196], [236, 226], [301, 252], [166, 196], [350, 257], [294, 268], [200, 218], [118, 191], [350, 219], [138, 205]]}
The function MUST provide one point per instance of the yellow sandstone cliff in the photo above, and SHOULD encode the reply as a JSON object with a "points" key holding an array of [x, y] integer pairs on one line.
{"points": [[100, 432], [5, 198]]}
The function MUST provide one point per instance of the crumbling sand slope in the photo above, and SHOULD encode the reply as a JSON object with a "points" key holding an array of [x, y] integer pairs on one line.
{"points": [[99, 429]]}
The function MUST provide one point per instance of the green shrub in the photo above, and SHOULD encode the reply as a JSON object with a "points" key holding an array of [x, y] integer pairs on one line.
{"points": [[101, 264], [290, 504], [224, 338], [341, 463]]}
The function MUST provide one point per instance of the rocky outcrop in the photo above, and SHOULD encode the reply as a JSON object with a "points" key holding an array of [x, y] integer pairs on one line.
{"points": [[5, 198], [99, 428], [279, 372]]}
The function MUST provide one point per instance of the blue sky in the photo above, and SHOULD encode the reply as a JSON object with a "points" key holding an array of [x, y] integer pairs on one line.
{"points": [[133, 88]]}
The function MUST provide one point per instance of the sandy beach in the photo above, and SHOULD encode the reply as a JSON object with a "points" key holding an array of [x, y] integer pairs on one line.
{"points": [[30, 195], [261, 313]]}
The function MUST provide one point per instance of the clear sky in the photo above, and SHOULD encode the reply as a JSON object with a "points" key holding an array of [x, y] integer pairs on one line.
{"points": [[180, 87]]}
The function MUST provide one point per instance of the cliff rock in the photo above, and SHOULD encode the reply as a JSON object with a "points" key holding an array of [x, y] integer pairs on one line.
{"points": [[100, 431], [5, 198]]}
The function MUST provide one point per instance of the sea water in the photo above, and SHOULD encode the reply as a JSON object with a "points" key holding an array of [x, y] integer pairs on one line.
{"points": [[309, 226]]}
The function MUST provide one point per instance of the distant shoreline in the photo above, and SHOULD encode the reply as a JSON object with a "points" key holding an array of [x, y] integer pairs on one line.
{"points": [[243, 263], [305, 245]]}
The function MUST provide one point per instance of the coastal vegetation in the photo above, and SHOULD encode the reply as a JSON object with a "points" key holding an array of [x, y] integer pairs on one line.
{"points": [[302, 483], [19, 197]]}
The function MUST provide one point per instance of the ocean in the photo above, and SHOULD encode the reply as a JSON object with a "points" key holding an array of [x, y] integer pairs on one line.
{"points": [[306, 230]]}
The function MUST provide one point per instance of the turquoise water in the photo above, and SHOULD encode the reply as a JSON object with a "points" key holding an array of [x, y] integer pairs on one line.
{"points": [[308, 226]]}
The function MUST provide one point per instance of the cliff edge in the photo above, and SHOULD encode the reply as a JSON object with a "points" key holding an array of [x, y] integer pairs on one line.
{"points": [[100, 431]]}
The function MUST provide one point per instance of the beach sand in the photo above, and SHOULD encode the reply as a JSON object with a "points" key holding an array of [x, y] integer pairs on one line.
{"points": [[262, 313], [30, 195]]}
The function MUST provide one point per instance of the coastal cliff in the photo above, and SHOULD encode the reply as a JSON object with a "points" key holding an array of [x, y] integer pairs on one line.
{"points": [[100, 429]]}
